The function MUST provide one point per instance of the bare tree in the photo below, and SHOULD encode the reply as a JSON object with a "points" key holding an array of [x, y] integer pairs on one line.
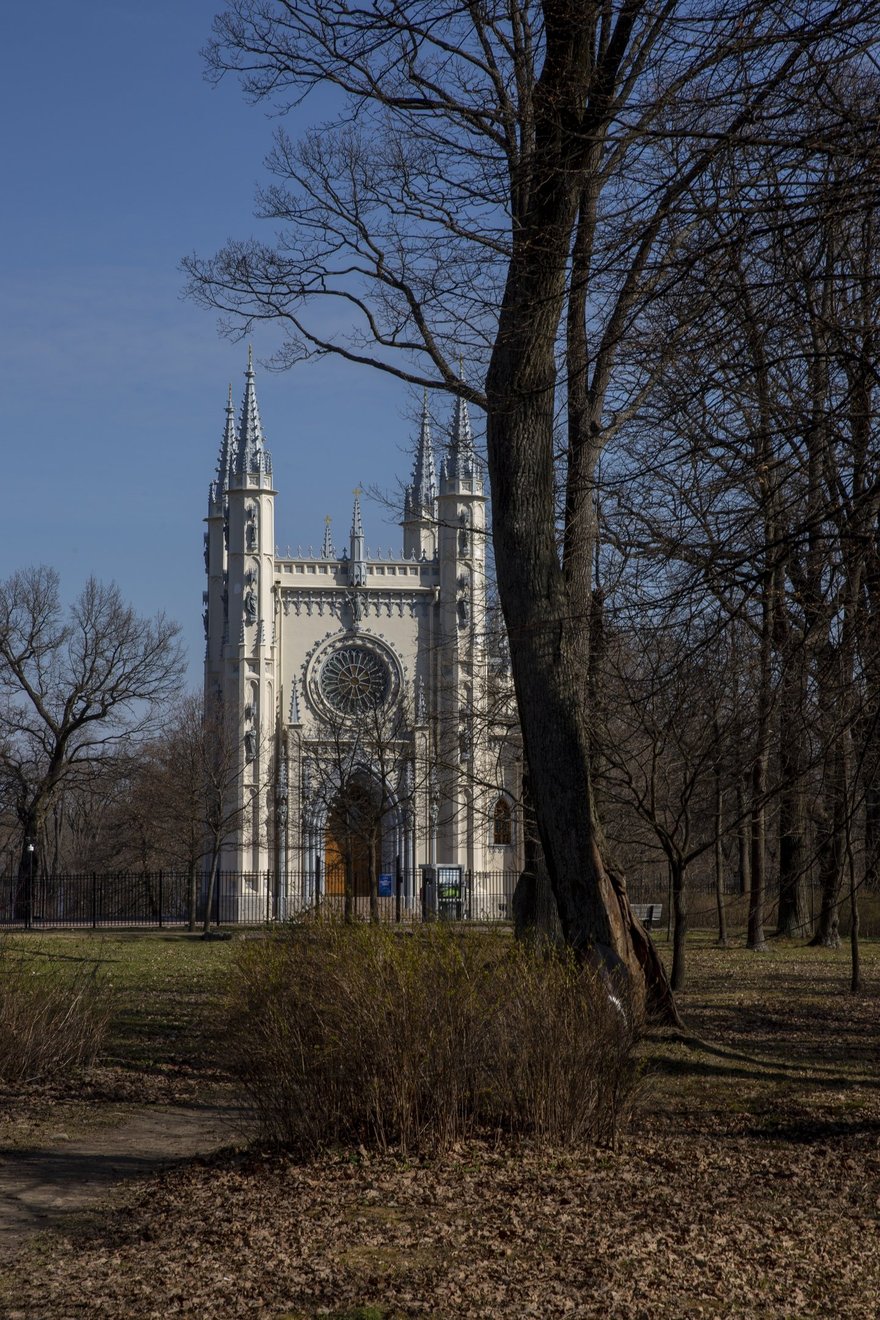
{"points": [[76, 686], [511, 181]]}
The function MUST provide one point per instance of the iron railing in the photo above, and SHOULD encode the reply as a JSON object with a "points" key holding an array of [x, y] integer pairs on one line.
{"points": [[240, 898]]}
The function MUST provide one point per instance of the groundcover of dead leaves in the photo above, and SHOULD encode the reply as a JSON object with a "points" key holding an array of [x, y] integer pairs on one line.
{"points": [[748, 1185]]}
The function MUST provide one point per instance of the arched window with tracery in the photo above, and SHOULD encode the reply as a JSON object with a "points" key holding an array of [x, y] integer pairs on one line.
{"points": [[502, 823]]}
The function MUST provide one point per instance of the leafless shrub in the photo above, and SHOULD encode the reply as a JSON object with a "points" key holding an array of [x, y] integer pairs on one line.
{"points": [[50, 1022], [345, 1035]]}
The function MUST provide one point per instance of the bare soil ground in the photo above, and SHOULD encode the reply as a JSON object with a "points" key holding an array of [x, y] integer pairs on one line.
{"points": [[748, 1185]]}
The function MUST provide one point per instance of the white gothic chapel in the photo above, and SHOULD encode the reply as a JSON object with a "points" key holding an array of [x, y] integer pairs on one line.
{"points": [[372, 733]]}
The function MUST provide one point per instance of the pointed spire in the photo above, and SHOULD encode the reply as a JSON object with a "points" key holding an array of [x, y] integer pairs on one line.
{"points": [[358, 553], [228, 446], [327, 551], [460, 458], [422, 491], [252, 455], [357, 526]]}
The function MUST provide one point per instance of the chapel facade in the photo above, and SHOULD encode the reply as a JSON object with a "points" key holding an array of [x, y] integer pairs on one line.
{"points": [[371, 715]]}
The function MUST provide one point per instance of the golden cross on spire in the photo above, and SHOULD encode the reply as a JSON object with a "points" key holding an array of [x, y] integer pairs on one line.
{"points": [[357, 491]]}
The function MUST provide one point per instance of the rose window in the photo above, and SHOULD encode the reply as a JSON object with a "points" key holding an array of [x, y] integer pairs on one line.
{"points": [[354, 680]]}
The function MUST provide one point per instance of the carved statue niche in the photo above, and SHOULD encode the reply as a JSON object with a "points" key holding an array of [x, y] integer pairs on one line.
{"points": [[463, 604], [250, 529], [250, 607], [355, 602], [464, 534], [250, 744]]}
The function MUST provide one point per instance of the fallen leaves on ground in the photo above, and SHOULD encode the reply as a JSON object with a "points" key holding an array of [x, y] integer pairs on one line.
{"points": [[749, 1185]]}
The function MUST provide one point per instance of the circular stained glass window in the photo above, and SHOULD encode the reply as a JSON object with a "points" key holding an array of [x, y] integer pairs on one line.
{"points": [[354, 679]]}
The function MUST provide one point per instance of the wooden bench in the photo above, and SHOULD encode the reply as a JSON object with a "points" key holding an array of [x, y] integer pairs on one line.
{"points": [[649, 914]]}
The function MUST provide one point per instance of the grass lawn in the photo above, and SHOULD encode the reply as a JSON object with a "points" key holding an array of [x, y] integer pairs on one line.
{"points": [[748, 1185], [165, 990]]}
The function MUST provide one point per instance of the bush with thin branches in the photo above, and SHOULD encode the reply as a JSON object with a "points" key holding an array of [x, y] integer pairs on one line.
{"points": [[51, 1021], [365, 1036]]}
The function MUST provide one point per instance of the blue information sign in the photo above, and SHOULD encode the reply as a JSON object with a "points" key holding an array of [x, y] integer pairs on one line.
{"points": [[386, 886]]}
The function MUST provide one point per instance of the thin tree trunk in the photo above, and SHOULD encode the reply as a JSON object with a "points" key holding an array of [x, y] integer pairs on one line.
{"points": [[677, 877], [755, 939], [831, 860], [855, 984], [719, 861], [743, 838], [793, 920], [349, 887], [192, 894], [872, 836], [374, 884], [209, 897]]}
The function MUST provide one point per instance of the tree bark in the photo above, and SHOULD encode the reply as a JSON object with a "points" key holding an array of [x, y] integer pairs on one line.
{"points": [[719, 861], [793, 917], [677, 875], [547, 603], [832, 839]]}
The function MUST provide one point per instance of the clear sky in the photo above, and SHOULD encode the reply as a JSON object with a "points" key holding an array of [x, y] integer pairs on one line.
{"points": [[117, 159]]}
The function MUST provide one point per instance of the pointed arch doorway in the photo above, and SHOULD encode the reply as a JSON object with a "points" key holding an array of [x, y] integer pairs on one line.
{"points": [[353, 839]]}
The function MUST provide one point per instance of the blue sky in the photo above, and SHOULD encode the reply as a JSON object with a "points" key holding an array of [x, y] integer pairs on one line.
{"points": [[117, 159]]}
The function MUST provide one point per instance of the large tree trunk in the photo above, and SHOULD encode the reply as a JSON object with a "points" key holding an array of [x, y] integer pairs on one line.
{"points": [[547, 655], [545, 596]]}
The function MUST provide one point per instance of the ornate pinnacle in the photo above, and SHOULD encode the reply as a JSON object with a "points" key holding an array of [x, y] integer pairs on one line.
{"points": [[252, 455], [422, 491], [294, 704], [327, 551], [357, 526], [228, 446], [358, 570], [461, 458]]}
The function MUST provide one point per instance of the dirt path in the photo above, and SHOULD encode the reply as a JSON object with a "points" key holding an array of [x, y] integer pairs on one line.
{"points": [[46, 1185]]}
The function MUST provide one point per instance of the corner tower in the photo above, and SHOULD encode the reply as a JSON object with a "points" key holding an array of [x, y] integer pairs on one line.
{"points": [[461, 535], [240, 660]]}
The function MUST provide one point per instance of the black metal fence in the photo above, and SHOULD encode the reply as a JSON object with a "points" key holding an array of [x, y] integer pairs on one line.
{"points": [[171, 898]]}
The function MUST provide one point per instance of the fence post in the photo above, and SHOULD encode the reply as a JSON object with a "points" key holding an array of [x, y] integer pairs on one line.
{"points": [[160, 900], [217, 884], [318, 867], [94, 900], [398, 887]]}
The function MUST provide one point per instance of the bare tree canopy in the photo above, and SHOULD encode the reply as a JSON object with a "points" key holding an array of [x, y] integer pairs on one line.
{"points": [[76, 685], [514, 182]]}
